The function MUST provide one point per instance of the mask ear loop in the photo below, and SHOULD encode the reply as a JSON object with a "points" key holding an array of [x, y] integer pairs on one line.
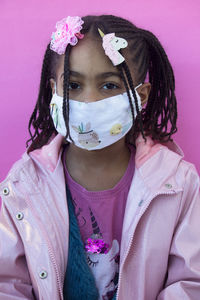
{"points": [[138, 96], [138, 85]]}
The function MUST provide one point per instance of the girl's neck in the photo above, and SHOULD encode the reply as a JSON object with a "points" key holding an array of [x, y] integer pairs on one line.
{"points": [[111, 155], [98, 169]]}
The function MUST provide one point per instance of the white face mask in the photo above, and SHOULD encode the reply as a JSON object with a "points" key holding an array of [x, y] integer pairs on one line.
{"points": [[95, 125]]}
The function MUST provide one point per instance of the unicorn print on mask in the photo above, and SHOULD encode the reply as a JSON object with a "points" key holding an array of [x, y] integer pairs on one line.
{"points": [[112, 45]]}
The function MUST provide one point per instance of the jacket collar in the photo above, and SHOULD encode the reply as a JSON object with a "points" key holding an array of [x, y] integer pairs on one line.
{"points": [[151, 158], [49, 155]]}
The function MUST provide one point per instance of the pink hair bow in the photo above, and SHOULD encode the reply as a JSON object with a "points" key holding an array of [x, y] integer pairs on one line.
{"points": [[68, 32]]}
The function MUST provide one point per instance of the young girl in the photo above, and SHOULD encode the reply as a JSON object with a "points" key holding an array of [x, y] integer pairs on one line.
{"points": [[102, 204]]}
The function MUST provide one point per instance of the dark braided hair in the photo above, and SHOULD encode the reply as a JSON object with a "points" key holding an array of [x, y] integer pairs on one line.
{"points": [[157, 119], [66, 90]]}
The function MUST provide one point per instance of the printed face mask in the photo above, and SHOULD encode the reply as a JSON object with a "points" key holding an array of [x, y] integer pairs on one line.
{"points": [[95, 125]]}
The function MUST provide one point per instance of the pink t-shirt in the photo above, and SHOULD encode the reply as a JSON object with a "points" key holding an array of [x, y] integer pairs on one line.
{"points": [[100, 215]]}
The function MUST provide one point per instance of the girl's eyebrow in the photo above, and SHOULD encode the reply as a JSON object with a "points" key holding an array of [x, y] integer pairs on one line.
{"points": [[99, 76], [109, 74]]}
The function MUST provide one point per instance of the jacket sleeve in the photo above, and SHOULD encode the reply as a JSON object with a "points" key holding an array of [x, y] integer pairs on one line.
{"points": [[183, 278], [15, 283]]}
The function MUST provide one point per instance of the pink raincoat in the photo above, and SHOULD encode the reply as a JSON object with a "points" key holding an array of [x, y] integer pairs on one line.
{"points": [[160, 246]]}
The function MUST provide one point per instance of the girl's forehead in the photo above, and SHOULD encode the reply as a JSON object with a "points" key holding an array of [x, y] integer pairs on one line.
{"points": [[88, 57], [88, 54]]}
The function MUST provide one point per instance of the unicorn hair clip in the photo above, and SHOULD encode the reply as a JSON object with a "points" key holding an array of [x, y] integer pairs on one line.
{"points": [[112, 44]]}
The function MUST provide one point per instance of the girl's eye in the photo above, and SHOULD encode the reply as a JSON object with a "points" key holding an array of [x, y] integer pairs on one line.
{"points": [[110, 86], [74, 86]]}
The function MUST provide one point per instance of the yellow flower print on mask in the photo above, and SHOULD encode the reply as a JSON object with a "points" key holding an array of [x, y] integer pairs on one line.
{"points": [[116, 129]]}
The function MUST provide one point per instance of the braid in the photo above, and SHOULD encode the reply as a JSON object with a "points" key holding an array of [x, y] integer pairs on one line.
{"points": [[130, 81], [40, 118], [127, 89], [161, 107], [122, 67], [33, 118], [66, 90]]}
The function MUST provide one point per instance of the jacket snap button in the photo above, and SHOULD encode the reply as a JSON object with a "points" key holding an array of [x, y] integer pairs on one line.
{"points": [[43, 274], [6, 191], [20, 216], [168, 185]]}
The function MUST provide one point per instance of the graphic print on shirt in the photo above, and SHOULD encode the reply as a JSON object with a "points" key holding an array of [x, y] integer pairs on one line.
{"points": [[86, 137], [80, 218], [103, 261]]}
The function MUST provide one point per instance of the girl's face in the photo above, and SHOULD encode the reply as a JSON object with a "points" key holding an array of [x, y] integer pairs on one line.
{"points": [[93, 77]]}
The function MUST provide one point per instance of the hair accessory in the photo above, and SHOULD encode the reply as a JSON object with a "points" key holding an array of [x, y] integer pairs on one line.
{"points": [[111, 45], [68, 32]]}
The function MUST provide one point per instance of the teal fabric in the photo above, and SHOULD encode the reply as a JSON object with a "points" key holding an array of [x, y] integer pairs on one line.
{"points": [[79, 283]]}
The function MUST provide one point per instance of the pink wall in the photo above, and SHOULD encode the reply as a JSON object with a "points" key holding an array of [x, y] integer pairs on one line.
{"points": [[25, 29]]}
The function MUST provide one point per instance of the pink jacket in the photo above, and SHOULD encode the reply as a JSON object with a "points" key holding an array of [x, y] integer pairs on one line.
{"points": [[160, 247]]}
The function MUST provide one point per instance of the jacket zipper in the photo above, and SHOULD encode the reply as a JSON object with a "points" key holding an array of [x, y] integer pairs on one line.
{"points": [[131, 241]]}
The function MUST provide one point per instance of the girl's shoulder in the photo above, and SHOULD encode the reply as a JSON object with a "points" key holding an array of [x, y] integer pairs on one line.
{"points": [[161, 164], [31, 164], [23, 165], [21, 177], [32, 171]]}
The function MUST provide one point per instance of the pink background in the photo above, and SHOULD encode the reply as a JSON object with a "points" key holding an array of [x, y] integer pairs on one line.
{"points": [[25, 30]]}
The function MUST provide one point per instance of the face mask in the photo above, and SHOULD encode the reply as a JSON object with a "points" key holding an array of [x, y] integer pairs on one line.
{"points": [[97, 124]]}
